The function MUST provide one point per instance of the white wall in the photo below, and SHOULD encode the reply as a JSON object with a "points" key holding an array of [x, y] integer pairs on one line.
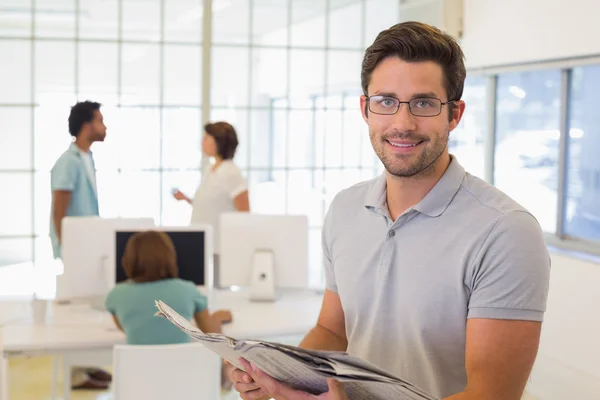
{"points": [[516, 31], [498, 32], [568, 363]]}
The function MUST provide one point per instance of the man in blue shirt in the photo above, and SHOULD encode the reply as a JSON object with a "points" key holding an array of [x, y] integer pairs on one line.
{"points": [[74, 193], [73, 177]]}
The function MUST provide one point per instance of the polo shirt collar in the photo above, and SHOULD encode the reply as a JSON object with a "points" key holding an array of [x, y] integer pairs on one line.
{"points": [[434, 203]]}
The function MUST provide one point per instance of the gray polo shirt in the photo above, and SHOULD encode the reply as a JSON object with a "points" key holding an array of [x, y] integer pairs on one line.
{"points": [[408, 286]]}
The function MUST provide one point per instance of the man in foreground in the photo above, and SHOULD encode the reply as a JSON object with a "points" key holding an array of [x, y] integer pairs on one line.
{"points": [[431, 273]]}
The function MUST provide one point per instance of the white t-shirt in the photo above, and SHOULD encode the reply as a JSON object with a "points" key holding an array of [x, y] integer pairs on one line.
{"points": [[215, 196], [89, 168]]}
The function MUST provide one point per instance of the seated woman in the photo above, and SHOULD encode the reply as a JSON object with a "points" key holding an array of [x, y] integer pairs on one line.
{"points": [[150, 263]]}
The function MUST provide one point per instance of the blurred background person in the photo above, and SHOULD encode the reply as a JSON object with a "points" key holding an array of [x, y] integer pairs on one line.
{"points": [[223, 187], [74, 193], [150, 262]]}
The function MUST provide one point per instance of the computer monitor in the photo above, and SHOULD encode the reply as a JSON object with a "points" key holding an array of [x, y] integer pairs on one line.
{"points": [[193, 246], [86, 247], [264, 252]]}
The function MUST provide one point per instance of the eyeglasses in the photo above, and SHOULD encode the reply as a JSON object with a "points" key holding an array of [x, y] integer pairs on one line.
{"points": [[419, 107]]}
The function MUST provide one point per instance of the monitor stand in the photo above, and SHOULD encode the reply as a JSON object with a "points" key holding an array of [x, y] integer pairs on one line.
{"points": [[262, 284]]}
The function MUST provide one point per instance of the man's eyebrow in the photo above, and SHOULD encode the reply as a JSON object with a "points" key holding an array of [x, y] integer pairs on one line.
{"points": [[386, 94], [427, 94], [414, 96]]}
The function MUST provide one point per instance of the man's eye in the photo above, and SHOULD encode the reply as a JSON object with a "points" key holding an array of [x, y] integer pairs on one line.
{"points": [[423, 104], [388, 102]]}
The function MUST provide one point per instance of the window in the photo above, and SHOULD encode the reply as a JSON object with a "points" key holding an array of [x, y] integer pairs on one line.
{"points": [[582, 213], [229, 77], [15, 138], [183, 20], [527, 141], [141, 20], [101, 19], [20, 11], [150, 91], [55, 20], [98, 73], [182, 84], [15, 209], [140, 68], [15, 72]]}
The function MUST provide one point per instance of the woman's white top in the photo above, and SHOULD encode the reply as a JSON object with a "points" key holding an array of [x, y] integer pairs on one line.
{"points": [[215, 196]]}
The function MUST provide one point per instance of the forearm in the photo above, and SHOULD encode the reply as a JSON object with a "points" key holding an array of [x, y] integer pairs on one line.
{"points": [[464, 396], [207, 323], [60, 204], [57, 216], [320, 338], [216, 325], [488, 392]]}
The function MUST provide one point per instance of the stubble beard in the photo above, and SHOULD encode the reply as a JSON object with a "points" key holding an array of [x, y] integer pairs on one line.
{"points": [[410, 165]]}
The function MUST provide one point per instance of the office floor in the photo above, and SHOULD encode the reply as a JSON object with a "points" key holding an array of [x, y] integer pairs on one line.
{"points": [[30, 379]]}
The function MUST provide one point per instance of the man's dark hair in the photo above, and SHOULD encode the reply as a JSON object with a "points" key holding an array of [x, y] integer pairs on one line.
{"points": [[225, 137], [416, 42], [81, 113]]}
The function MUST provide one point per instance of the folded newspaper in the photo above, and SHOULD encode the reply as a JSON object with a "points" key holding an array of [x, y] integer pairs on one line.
{"points": [[302, 369]]}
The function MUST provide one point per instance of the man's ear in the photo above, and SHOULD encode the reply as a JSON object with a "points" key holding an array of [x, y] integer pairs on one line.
{"points": [[364, 108], [456, 113]]}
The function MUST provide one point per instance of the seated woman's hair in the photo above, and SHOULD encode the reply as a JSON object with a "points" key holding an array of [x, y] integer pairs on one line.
{"points": [[150, 256]]}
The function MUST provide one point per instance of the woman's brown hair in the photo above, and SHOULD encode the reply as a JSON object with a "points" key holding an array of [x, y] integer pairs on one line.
{"points": [[226, 138], [150, 256]]}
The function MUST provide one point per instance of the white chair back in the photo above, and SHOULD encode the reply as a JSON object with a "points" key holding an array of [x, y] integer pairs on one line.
{"points": [[180, 371]]}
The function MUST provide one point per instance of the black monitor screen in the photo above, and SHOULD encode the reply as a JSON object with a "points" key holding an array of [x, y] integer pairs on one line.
{"points": [[189, 247]]}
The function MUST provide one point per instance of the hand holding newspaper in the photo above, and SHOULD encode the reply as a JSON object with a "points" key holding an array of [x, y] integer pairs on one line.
{"points": [[302, 369]]}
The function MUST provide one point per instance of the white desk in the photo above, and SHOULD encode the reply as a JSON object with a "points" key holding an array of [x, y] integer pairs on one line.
{"points": [[77, 329]]}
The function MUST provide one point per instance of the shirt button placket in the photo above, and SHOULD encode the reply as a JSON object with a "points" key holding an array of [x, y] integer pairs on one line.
{"points": [[387, 250]]}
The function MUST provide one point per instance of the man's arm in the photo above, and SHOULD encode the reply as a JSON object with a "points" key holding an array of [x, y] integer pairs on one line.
{"points": [[330, 331], [60, 203], [499, 358], [509, 288]]}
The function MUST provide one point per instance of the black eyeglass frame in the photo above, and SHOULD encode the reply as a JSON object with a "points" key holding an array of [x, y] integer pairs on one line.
{"points": [[416, 99]]}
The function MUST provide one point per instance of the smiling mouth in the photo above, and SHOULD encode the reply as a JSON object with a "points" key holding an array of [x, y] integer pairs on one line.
{"points": [[404, 144]]}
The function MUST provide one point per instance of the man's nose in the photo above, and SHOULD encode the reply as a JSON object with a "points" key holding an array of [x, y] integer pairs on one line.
{"points": [[403, 120]]}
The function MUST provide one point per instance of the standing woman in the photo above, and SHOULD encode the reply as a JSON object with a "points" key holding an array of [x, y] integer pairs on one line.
{"points": [[223, 188]]}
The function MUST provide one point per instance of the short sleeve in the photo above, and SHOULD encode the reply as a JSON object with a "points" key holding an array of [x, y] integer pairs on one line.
{"points": [[330, 281], [112, 300], [200, 301], [235, 182], [512, 272], [64, 174]]}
